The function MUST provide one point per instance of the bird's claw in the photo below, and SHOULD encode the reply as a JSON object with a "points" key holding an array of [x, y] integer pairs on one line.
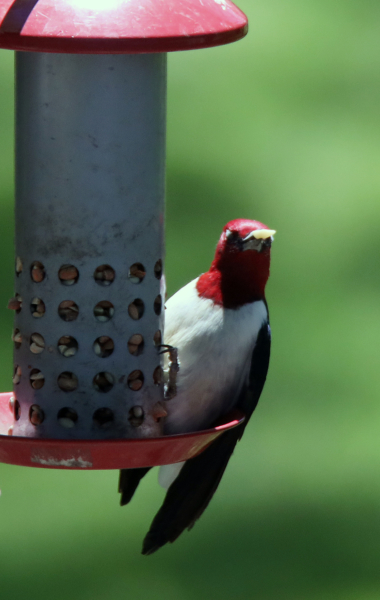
{"points": [[170, 388]]}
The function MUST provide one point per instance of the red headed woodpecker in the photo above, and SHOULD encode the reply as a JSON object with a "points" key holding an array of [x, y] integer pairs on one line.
{"points": [[219, 324]]}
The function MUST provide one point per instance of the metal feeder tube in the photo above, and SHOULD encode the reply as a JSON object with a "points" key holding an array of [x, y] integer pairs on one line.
{"points": [[90, 169]]}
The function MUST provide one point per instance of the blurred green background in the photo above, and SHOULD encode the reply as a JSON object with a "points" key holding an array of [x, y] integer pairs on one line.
{"points": [[284, 127]]}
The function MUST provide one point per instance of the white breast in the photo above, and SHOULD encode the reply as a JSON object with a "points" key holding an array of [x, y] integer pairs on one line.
{"points": [[215, 348]]}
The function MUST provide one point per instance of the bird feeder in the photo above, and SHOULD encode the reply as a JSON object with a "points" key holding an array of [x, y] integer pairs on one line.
{"points": [[90, 183]]}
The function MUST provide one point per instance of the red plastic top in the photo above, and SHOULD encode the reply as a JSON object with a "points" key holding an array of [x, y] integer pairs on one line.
{"points": [[102, 454], [118, 26]]}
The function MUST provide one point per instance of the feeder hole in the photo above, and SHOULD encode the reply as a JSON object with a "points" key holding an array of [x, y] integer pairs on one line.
{"points": [[36, 415], [103, 346], [157, 338], [17, 413], [37, 308], [67, 346], [17, 338], [136, 273], [136, 344], [104, 275], [136, 416], [37, 343], [103, 415], [158, 304], [68, 274], [67, 417], [36, 379], [158, 269], [68, 310], [37, 271], [104, 311], [135, 380], [19, 266], [157, 376], [17, 375], [103, 381], [67, 381], [136, 309]]}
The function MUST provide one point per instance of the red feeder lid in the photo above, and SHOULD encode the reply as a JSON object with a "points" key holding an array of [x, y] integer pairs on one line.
{"points": [[103, 454], [118, 26]]}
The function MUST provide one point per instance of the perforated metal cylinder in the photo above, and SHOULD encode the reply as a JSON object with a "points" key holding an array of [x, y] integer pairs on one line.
{"points": [[90, 172]]}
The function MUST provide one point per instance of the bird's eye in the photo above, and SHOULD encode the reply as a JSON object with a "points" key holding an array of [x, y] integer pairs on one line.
{"points": [[231, 236]]}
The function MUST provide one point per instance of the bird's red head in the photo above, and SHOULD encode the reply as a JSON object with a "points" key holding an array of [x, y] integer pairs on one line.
{"points": [[240, 269]]}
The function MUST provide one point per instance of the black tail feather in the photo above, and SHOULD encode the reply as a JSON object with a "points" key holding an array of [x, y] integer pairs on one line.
{"points": [[191, 492], [128, 481]]}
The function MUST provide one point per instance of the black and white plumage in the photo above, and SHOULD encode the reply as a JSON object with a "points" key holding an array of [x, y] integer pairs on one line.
{"points": [[220, 325]]}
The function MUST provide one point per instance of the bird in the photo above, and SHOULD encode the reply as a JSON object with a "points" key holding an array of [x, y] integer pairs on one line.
{"points": [[218, 325]]}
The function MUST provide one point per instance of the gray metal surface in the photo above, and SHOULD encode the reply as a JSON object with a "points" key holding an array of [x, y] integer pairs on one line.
{"points": [[90, 177]]}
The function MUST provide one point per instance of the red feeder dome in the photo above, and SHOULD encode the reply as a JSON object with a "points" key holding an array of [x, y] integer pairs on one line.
{"points": [[118, 26]]}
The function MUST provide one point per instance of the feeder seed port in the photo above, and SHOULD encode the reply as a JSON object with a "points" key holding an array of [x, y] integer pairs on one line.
{"points": [[103, 346], [36, 415], [36, 379], [17, 375], [104, 275], [103, 381], [157, 375], [37, 343], [67, 417], [158, 269], [135, 380], [136, 309], [37, 271], [17, 338], [67, 381], [136, 273], [68, 274], [157, 338], [104, 311], [67, 346], [37, 307], [19, 266], [102, 416], [157, 304], [136, 344], [68, 310], [136, 416]]}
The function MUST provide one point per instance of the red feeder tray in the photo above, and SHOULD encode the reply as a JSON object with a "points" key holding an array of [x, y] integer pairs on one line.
{"points": [[103, 454]]}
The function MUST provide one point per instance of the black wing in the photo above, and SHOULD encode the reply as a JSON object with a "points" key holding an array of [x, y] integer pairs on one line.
{"points": [[190, 493], [128, 481]]}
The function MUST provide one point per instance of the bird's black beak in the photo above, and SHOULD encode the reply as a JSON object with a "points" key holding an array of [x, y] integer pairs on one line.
{"points": [[258, 240]]}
